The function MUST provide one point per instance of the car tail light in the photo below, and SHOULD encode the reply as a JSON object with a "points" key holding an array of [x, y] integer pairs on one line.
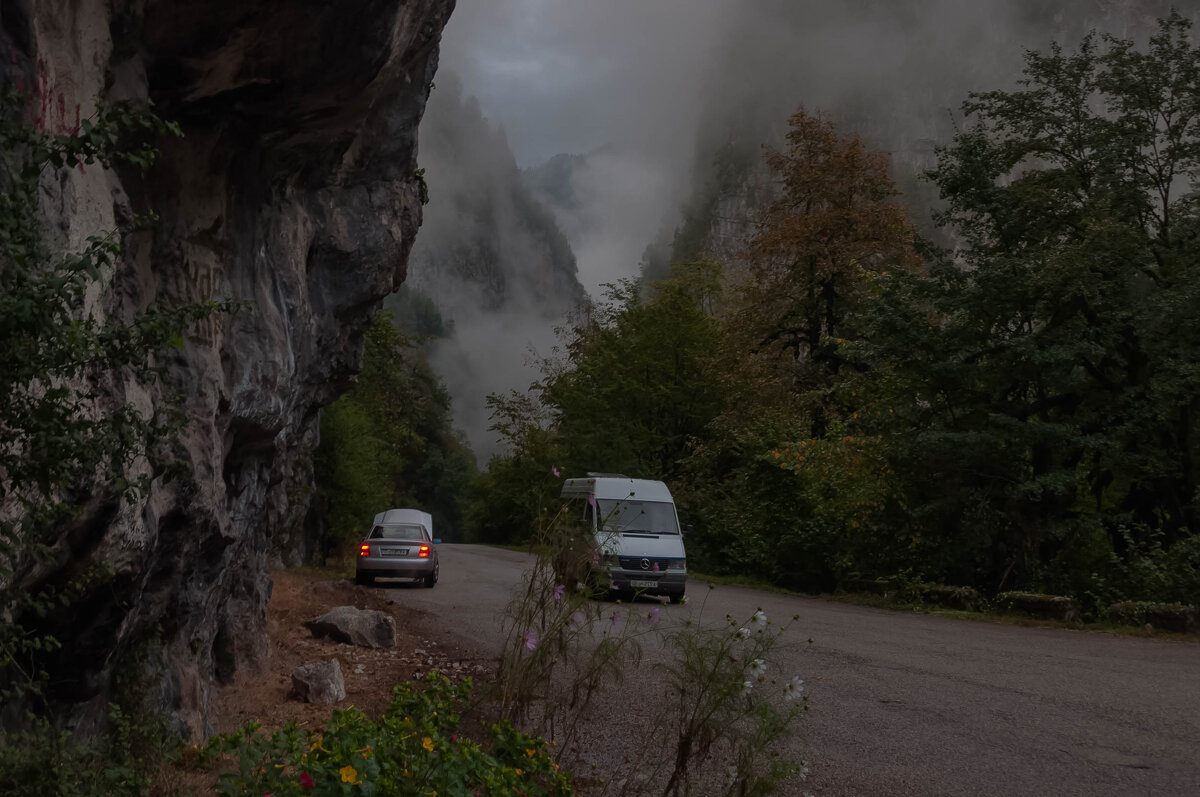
{"points": [[424, 552], [364, 550]]}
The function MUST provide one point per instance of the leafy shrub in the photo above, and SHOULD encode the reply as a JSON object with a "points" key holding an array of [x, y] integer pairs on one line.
{"points": [[414, 749], [43, 760]]}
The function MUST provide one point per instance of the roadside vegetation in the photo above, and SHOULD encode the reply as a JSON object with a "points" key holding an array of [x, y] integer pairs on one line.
{"points": [[71, 449], [847, 402]]}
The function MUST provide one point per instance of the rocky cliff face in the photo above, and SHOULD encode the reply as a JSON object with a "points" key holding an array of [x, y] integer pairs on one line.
{"points": [[293, 190]]}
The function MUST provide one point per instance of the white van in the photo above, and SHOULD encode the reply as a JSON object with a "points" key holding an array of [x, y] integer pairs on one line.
{"points": [[636, 530]]}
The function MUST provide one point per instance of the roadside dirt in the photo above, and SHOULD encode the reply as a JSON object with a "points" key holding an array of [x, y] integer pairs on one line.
{"points": [[370, 674]]}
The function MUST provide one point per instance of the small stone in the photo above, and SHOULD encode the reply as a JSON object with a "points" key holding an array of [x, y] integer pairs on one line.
{"points": [[319, 682]]}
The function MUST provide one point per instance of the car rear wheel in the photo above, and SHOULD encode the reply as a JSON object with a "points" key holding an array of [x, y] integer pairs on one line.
{"points": [[363, 579], [432, 578]]}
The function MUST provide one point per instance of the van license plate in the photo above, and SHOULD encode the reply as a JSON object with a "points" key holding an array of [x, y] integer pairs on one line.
{"points": [[643, 584], [394, 551]]}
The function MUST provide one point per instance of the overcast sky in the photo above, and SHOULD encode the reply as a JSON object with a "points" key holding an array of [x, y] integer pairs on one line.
{"points": [[572, 75]]}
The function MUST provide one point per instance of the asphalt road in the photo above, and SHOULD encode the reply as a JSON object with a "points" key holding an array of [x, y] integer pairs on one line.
{"points": [[914, 704]]}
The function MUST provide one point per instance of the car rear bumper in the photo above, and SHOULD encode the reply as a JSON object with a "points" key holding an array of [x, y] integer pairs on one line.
{"points": [[395, 568]]}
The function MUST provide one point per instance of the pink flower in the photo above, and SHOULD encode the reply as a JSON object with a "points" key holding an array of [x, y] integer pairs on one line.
{"points": [[554, 470], [592, 501], [656, 567], [577, 618], [616, 618], [558, 591], [531, 640], [653, 615], [306, 780]]}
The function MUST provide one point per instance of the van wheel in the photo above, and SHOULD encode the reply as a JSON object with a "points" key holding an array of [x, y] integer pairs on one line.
{"points": [[675, 597], [364, 579]]}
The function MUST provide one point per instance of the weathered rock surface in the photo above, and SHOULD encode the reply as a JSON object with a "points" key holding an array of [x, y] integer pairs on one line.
{"points": [[319, 682], [293, 191], [366, 628]]}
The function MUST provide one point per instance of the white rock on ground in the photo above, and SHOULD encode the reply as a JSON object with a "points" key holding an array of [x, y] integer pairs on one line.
{"points": [[319, 682]]}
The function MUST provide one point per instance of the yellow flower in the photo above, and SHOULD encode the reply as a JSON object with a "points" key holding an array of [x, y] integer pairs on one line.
{"points": [[349, 774], [519, 772], [317, 744], [530, 752], [427, 743]]}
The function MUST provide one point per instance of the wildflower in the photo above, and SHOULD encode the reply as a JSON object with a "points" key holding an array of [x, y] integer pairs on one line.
{"points": [[793, 688], [743, 632], [759, 619], [652, 615], [427, 743], [531, 752], [655, 567], [554, 470], [747, 686], [592, 501], [683, 601], [306, 780], [577, 617], [531, 640], [349, 774], [616, 617], [758, 669], [559, 591]]}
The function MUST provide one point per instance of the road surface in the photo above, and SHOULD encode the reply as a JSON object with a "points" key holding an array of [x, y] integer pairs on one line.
{"points": [[915, 704]]}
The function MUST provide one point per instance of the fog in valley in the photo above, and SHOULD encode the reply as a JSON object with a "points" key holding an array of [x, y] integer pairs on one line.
{"points": [[594, 123]]}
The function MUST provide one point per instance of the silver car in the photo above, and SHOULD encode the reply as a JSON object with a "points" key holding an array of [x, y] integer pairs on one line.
{"points": [[400, 545]]}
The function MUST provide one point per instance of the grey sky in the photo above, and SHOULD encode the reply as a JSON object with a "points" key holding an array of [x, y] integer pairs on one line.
{"points": [[572, 75]]}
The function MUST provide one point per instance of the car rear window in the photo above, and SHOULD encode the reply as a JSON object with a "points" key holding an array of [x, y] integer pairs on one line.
{"points": [[399, 532]]}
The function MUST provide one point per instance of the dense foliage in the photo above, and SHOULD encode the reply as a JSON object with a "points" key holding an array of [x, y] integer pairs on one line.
{"points": [[844, 401], [71, 447], [388, 441]]}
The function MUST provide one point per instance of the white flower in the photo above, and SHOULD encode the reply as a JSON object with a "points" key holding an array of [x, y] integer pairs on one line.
{"points": [[747, 686], [731, 775], [758, 668], [744, 632], [793, 688], [759, 619]]}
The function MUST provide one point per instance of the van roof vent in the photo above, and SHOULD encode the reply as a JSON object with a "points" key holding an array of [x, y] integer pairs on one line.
{"points": [[593, 474]]}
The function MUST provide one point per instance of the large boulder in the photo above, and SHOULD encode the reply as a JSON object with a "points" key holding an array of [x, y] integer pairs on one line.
{"points": [[319, 682], [363, 627]]}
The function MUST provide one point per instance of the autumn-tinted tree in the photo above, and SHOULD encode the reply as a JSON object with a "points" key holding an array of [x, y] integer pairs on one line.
{"points": [[836, 220]]}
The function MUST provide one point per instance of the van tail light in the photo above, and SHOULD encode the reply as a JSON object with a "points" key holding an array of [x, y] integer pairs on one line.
{"points": [[424, 552], [364, 550]]}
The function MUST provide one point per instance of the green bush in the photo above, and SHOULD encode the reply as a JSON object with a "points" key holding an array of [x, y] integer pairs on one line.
{"points": [[414, 749]]}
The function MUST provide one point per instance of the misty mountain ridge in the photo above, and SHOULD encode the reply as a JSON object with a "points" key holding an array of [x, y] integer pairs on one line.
{"points": [[926, 58], [491, 269]]}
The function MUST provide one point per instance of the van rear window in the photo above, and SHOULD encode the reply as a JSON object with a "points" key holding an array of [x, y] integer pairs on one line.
{"points": [[399, 532], [629, 515]]}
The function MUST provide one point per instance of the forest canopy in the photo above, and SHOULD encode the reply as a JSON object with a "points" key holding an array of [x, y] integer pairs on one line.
{"points": [[1017, 410]]}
